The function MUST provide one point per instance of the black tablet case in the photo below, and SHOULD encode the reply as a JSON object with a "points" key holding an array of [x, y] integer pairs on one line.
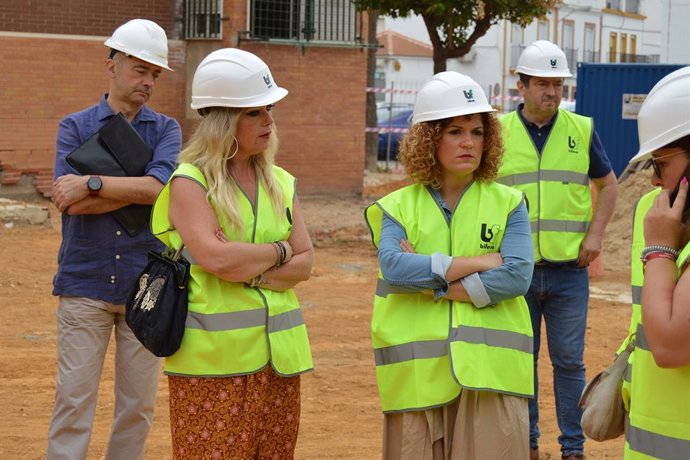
{"points": [[116, 150]]}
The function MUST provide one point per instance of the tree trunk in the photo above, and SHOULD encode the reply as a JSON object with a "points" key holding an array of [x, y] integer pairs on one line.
{"points": [[372, 139], [439, 60]]}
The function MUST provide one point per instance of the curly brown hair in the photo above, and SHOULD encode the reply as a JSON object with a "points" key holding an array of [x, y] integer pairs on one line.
{"points": [[419, 146]]}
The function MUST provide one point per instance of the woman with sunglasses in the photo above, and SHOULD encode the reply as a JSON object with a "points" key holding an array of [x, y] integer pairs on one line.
{"points": [[657, 394]]}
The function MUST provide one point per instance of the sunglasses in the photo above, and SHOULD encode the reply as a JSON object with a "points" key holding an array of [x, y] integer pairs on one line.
{"points": [[655, 165]]}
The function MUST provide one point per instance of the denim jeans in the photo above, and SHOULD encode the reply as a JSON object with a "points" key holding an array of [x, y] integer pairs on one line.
{"points": [[560, 294]]}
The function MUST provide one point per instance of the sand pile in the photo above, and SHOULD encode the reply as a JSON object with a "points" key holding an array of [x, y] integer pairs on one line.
{"points": [[617, 237]]}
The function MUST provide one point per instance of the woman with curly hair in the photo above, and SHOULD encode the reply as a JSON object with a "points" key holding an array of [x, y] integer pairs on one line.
{"points": [[451, 331]]}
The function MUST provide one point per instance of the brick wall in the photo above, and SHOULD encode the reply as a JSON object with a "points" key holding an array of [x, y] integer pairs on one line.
{"points": [[86, 17], [42, 80], [321, 121], [45, 77]]}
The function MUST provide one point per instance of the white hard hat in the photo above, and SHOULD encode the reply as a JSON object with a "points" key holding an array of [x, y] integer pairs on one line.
{"points": [[143, 39], [231, 77], [543, 59], [447, 95], [665, 114]]}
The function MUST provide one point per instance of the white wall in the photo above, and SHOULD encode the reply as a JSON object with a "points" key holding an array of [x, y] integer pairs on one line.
{"points": [[664, 32]]}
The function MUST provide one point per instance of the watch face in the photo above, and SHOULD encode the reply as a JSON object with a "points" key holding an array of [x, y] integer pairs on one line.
{"points": [[94, 184]]}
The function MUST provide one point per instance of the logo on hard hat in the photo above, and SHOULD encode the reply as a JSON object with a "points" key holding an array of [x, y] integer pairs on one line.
{"points": [[267, 80], [468, 95], [554, 63]]}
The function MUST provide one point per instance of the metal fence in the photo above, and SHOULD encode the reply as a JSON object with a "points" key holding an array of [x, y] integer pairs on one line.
{"points": [[202, 19], [324, 21]]}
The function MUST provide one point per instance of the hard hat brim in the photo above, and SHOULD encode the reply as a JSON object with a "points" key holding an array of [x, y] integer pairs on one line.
{"points": [[201, 102], [450, 113], [543, 74], [660, 141]]}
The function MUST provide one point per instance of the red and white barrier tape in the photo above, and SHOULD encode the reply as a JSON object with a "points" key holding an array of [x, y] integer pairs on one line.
{"points": [[385, 130], [391, 90]]}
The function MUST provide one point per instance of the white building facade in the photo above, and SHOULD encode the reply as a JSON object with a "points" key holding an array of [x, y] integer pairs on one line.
{"points": [[601, 31]]}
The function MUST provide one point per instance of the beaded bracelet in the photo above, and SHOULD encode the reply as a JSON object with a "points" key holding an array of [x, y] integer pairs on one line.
{"points": [[283, 253], [276, 246], [257, 280], [657, 248]]}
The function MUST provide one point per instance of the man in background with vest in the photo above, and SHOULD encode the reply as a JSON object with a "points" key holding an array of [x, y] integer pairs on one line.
{"points": [[552, 155], [99, 260]]}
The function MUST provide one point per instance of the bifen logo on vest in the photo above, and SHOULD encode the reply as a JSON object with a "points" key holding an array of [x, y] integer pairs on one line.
{"points": [[488, 235], [573, 144]]}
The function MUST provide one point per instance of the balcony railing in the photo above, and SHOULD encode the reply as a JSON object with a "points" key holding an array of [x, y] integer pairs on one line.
{"points": [[634, 58], [515, 51], [632, 6], [319, 21], [571, 56], [590, 56]]}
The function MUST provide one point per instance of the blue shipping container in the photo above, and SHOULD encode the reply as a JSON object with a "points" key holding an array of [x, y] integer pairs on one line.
{"points": [[601, 89]]}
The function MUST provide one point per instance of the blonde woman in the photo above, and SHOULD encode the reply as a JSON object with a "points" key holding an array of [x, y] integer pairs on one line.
{"points": [[234, 383]]}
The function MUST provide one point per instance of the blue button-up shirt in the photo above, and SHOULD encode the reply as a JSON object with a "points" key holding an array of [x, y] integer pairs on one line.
{"points": [[97, 257]]}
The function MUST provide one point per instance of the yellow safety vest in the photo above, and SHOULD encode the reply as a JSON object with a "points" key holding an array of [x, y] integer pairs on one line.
{"points": [[555, 183], [636, 282], [233, 329], [426, 350], [658, 426]]}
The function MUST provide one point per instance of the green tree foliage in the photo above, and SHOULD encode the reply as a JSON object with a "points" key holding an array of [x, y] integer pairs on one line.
{"points": [[455, 25]]}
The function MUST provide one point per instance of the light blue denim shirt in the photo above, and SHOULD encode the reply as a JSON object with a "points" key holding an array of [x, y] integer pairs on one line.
{"points": [[418, 272]]}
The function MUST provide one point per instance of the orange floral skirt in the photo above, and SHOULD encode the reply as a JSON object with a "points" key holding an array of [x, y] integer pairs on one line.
{"points": [[246, 417]]}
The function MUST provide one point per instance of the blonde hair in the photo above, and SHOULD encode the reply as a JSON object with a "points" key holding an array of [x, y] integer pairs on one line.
{"points": [[212, 148], [419, 146]]}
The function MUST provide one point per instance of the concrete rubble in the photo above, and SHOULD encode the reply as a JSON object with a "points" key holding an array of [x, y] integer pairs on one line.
{"points": [[19, 212]]}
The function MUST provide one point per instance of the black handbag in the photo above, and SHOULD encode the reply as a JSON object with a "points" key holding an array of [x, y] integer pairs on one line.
{"points": [[156, 308]]}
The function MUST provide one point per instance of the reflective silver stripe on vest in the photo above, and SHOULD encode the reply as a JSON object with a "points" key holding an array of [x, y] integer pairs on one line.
{"points": [[493, 338], [567, 177], [518, 179], [226, 321], [641, 339], [383, 288], [186, 254], [656, 445], [410, 351], [285, 321], [552, 225], [636, 294]]}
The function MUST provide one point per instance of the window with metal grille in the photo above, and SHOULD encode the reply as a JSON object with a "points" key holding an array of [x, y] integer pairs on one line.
{"points": [[323, 21], [202, 19]]}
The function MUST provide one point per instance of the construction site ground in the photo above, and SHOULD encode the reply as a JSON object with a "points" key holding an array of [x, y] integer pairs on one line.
{"points": [[341, 417]]}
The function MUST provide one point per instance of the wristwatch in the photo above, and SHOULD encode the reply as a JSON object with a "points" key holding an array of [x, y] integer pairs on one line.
{"points": [[94, 184]]}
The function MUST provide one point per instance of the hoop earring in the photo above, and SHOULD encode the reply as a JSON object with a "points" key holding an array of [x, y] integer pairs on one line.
{"points": [[237, 147]]}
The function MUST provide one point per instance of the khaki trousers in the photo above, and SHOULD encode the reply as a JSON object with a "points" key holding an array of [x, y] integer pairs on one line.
{"points": [[84, 327], [477, 426]]}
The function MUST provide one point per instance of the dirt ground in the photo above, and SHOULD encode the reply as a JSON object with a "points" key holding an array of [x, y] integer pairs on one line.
{"points": [[341, 418]]}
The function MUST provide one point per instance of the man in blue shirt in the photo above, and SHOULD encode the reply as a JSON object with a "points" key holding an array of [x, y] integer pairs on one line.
{"points": [[98, 260], [553, 156]]}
